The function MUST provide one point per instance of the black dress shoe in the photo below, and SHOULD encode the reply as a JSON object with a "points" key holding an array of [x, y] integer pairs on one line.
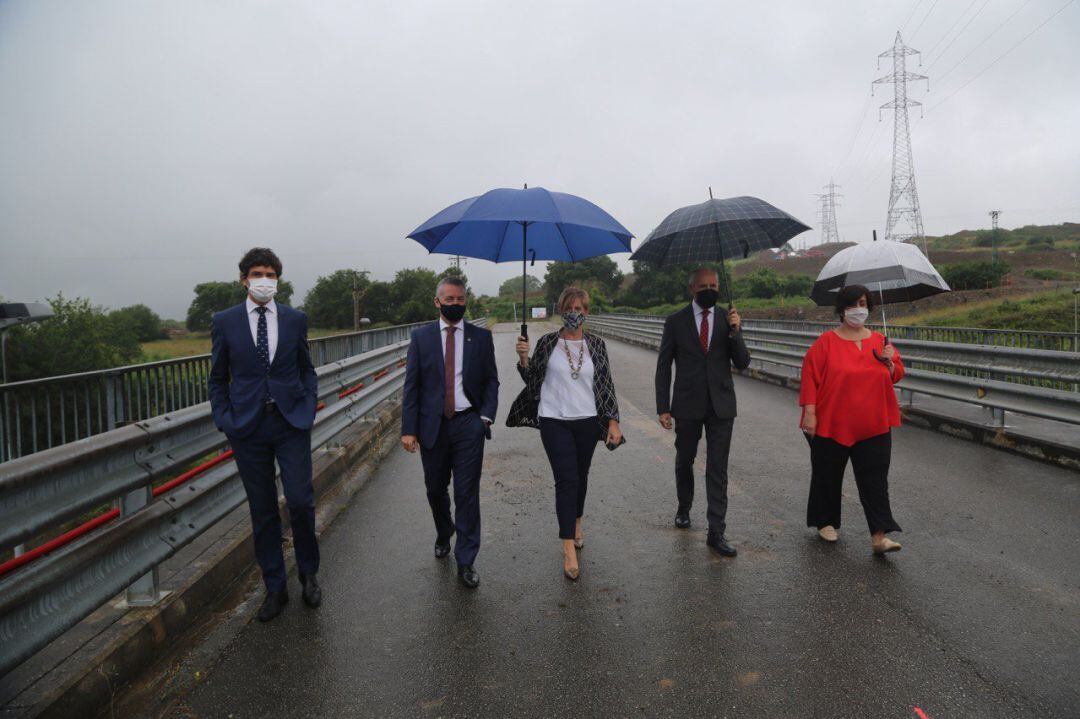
{"points": [[272, 605], [468, 576], [682, 519], [312, 593], [442, 549], [720, 545]]}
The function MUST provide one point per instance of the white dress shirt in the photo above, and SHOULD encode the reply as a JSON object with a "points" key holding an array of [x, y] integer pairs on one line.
{"points": [[461, 402], [562, 396], [698, 313], [271, 324]]}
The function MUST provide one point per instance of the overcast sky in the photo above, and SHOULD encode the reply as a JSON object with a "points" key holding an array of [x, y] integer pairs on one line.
{"points": [[145, 145]]}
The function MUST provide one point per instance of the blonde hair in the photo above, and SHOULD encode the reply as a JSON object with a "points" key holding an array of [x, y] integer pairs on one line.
{"points": [[570, 294]]}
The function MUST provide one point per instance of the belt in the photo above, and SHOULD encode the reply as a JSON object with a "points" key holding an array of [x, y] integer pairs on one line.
{"points": [[464, 411]]}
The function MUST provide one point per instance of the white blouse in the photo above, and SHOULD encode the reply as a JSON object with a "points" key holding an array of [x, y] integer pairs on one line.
{"points": [[562, 396]]}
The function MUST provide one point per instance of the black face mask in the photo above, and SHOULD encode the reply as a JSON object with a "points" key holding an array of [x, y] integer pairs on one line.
{"points": [[452, 313], [706, 299]]}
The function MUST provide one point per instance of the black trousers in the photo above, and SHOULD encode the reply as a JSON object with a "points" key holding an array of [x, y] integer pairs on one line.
{"points": [[458, 451], [870, 462], [570, 444], [717, 448], [275, 438]]}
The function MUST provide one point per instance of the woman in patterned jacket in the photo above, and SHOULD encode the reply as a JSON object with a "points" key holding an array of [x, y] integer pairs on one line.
{"points": [[570, 397]]}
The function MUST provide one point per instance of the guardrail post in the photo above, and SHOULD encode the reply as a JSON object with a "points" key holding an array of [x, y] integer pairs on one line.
{"points": [[907, 397], [997, 417], [111, 396], [146, 590]]}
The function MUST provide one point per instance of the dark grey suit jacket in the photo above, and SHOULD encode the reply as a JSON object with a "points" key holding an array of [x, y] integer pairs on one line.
{"points": [[698, 376]]}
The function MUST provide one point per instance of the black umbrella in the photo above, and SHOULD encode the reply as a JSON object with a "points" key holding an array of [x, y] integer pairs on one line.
{"points": [[716, 230]]}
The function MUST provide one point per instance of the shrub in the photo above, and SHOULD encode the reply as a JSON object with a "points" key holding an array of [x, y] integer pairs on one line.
{"points": [[974, 275]]}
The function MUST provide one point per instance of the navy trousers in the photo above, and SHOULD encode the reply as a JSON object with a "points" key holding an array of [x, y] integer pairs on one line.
{"points": [[458, 452], [570, 444], [275, 438]]}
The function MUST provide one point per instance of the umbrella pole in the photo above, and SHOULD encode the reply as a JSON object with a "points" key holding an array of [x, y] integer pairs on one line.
{"points": [[723, 263], [884, 325], [524, 325]]}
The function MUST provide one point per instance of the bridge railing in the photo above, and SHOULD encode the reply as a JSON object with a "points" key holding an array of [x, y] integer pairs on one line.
{"points": [[160, 502], [1036, 382], [52, 411]]}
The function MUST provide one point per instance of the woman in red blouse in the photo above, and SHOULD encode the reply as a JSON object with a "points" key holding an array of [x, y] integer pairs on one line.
{"points": [[849, 406]]}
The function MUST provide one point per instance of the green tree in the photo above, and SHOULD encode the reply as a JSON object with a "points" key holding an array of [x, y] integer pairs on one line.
{"points": [[138, 320], [211, 297], [594, 273], [413, 294], [763, 283], [79, 337], [512, 287], [330, 302], [379, 303]]}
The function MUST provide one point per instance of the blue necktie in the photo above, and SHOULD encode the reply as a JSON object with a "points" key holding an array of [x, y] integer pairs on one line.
{"points": [[262, 340]]}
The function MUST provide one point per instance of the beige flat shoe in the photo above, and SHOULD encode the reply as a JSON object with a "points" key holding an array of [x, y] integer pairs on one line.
{"points": [[885, 545], [571, 573], [579, 543], [828, 533]]}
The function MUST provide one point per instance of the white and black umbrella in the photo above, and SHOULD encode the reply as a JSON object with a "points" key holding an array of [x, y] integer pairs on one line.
{"points": [[716, 230], [892, 271]]}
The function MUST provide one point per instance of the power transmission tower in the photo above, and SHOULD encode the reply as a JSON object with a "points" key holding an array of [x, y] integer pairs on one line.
{"points": [[994, 235], [829, 233], [903, 197], [456, 261]]}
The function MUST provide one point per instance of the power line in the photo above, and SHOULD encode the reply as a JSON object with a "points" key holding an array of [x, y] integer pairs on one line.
{"points": [[919, 27], [1001, 56], [957, 36], [983, 41], [930, 52], [911, 14], [858, 129]]}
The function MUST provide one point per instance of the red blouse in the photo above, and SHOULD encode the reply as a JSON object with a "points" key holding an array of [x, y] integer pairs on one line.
{"points": [[851, 390]]}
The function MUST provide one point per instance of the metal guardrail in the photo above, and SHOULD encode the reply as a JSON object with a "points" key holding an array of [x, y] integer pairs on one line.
{"points": [[1022, 339], [40, 601], [52, 411], [1040, 383]]}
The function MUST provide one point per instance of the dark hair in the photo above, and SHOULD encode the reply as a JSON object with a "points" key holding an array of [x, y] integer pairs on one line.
{"points": [[449, 280], [849, 297], [259, 256]]}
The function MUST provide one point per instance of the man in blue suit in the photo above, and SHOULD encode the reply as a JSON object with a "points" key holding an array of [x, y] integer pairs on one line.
{"points": [[451, 394], [263, 392]]}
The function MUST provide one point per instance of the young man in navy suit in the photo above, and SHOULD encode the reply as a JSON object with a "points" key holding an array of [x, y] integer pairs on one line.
{"points": [[263, 392], [451, 394]]}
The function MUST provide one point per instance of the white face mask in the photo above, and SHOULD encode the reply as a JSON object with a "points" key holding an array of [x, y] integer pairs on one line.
{"points": [[856, 316], [262, 289]]}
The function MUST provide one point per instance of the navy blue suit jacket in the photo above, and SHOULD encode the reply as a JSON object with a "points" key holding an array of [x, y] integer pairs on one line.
{"points": [[425, 387], [237, 379]]}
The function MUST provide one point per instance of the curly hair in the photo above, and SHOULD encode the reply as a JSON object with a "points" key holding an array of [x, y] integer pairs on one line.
{"points": [[256, 256]]}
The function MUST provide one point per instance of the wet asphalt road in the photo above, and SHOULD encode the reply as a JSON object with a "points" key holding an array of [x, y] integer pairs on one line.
{"points": [[978, 616]]}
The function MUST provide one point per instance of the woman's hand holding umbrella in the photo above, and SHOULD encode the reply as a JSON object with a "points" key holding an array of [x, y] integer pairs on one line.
{"points": [[522, 349]]}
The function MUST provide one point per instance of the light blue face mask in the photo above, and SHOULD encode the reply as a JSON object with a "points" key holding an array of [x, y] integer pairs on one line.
{"points": [[573, 320]]}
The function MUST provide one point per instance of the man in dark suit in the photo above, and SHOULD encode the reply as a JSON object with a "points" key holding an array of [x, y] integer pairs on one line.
{"points": [[263, 391], [704, 343], [451, 394]]}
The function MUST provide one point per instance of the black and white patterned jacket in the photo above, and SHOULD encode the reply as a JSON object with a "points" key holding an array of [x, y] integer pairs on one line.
{"points": [[523, 413]]}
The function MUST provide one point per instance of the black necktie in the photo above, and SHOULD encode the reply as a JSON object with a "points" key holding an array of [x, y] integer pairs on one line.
{"points": [[262, 340]]}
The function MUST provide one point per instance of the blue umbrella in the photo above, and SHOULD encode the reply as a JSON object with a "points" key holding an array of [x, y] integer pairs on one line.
{"points": [[507, 225]]}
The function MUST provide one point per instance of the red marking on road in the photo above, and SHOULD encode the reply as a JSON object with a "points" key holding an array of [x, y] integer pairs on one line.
{"points": [[920, 713]]}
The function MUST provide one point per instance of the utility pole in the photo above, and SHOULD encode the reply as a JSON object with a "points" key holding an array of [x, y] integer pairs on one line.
{"points": [[994, 235], [829, 233], [903, 197], [357, 293]]}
